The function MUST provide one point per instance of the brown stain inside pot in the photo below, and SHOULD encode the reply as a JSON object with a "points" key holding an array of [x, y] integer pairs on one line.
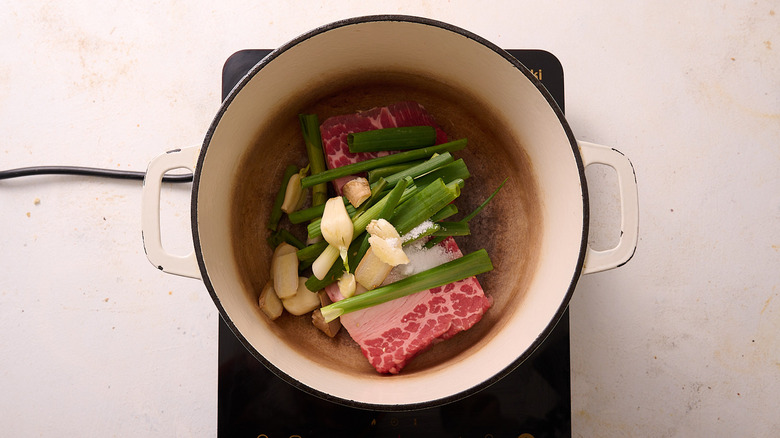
{"points": [[509, 228]]}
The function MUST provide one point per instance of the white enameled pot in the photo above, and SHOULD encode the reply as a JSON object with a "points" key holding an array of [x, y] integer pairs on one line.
{"points": [[536, 234]]}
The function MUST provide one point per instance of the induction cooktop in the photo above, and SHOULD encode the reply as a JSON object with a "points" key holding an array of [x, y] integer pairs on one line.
{"points": [[533, 401]]}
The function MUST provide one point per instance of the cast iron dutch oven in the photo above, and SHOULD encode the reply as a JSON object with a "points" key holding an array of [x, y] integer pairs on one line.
{"points": [[536, 230]]}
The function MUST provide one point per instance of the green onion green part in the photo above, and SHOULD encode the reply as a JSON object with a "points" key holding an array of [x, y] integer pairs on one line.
{"points": [[310, 127], [424, 204], [276, 210], [374, 175], [427, 166], [452, 229], [449, 210], [439, 238], [312, 251], [364, 166], [393, 198], [392, 139], [476, 211], [284, 236]]}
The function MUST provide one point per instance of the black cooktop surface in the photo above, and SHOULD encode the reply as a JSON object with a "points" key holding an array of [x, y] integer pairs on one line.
{"points": [[533, 401]]}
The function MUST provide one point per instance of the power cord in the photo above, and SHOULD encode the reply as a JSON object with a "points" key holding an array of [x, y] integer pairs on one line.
{"points": [[88, 171]]}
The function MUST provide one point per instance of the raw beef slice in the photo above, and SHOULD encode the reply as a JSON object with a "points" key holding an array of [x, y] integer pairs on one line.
{"points": [[391, 334], [334, 131]]}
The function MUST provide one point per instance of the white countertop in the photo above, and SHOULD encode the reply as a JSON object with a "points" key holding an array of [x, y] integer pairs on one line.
{"points": [[682, 341]]}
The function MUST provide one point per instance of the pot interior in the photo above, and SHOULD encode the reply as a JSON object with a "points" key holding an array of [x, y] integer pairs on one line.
{"points": [[532, 230]]}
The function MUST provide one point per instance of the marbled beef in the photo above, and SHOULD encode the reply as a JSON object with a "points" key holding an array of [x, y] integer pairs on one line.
{"points": [[391, 334], [334, 131]]}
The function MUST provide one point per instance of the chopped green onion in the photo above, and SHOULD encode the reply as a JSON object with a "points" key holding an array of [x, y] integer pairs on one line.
{"points": [[276, 210], [469, 265], [310, 127], [363, 166], [392, 139]]}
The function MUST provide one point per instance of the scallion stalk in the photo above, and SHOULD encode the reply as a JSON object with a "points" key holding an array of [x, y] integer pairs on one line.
{"points": [[310, 127], [363, 219], [359, 222], [375, 174], [312, 251], [335, 271], [276, 210], [391, 139], [438, 239], [469, 265], [424, 204], [427, 166], [446, 212], [284, 236], [363, 166], [393, 198], [476, 211], [314, 212], [452, 229], [449, 172]]}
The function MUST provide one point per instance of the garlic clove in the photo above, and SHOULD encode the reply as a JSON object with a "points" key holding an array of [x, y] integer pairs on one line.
{"points": [[293, 194], [388, 250], [386, 242], [336, 225], [382, 228]]}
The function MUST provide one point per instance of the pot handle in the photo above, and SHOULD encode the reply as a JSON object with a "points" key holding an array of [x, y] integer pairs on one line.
{"points": [[187, 265], [597, 261]]}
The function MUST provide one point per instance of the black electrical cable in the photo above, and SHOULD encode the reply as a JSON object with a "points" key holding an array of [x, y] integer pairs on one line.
{"points": [[88, 171]]}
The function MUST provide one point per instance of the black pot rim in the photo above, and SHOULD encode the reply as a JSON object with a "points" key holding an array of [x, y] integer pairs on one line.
{"points": [[373, 406]]}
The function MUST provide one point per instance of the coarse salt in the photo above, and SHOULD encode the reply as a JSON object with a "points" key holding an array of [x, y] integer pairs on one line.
{"points": [[420, 259], [417, 231]]}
